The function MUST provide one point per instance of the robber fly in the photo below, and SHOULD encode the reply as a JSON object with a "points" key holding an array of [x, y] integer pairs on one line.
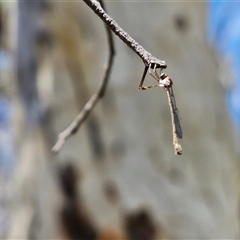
{"points": [[165, 82]]}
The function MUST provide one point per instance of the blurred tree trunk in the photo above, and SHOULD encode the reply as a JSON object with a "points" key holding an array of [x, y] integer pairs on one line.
{"points": [[33, 137], [140, 189]]}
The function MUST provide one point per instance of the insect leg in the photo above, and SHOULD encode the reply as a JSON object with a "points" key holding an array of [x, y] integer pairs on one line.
{"points": [[150, 72], [148, 87], [155, 71], [143, 77]]}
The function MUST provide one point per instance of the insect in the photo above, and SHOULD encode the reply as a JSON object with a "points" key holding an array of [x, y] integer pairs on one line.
{"points": [[165, 82]]}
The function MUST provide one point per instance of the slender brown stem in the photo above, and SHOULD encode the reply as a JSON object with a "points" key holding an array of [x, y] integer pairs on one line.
{"points": [[82, 116], [147, 57]]}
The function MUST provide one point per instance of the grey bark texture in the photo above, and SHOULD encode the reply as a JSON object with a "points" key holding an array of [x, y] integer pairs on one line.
{"points": [[139, 188]]}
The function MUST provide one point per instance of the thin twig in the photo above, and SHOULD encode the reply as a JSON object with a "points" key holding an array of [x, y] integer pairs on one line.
{"points": [[111, 50], [147, 57], [82, 116]]}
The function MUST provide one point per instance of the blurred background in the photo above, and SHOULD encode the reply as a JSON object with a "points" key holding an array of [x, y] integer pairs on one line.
{"points": [[118, 176]]}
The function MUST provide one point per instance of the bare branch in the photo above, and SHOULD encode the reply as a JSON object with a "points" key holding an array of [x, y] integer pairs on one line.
{"points": [[111, 50], [147, 57], [82, 116]]}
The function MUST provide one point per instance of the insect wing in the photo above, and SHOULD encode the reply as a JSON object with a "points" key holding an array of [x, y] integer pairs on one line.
{"points": [[176, 116]]}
